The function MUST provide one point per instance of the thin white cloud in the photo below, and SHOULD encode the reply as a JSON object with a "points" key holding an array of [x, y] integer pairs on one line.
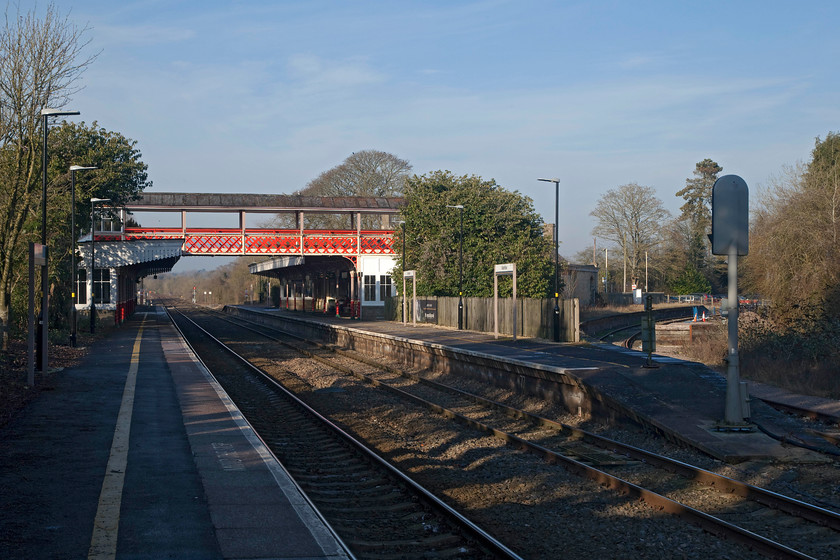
{"points": [[263, 104], [141, 35], [321, 73]]}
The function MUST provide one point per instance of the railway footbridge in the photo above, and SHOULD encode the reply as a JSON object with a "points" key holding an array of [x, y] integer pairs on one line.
{"points": [[329, 254]]}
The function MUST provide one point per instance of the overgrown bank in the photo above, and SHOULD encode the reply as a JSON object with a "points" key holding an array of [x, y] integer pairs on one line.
{"points": [[802, 356]]}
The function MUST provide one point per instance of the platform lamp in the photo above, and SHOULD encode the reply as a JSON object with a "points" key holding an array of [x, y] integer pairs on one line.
{"points": [[42, 348], [556, 322], [460, 208], [93, 203], [73, 269]]}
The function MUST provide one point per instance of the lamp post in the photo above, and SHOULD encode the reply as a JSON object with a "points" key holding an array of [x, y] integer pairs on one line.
{"points": [[93, 202], [73, 270], [556, 324], [460, 208], [42, 355], [606, 271]]}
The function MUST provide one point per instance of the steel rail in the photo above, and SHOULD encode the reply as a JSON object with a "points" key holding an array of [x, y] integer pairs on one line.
{"points": [[812, 414], [722, 483], [266, 447], [477, 532], [708, 522]]}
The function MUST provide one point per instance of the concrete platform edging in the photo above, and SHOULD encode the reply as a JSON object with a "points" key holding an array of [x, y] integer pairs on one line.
{"points": [[243, 528], [681, 400], [558, 384]]}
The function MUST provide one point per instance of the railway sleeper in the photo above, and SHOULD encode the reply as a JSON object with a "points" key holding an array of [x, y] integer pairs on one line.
{"points": [[352, 513]]}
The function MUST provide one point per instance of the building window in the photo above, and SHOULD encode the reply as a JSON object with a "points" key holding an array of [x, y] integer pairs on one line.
{"points": [[370, 287], [108, 221], [81, 287], [385, 287], [102, 285]]}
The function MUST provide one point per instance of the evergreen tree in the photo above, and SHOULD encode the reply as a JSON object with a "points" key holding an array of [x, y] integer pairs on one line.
{"points": [[499, 226], [697, 210], [690, 281]]}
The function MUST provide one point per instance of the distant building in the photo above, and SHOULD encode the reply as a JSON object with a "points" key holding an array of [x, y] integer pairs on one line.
{"points": [[580, 281]]}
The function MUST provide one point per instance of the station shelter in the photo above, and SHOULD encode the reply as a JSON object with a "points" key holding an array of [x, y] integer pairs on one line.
{"points": [[329, 286]]}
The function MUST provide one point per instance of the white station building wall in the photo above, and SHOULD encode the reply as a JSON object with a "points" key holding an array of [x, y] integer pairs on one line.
{"points": [[375, 279]]}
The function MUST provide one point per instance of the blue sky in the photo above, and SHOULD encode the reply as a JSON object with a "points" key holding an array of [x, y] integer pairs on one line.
{"points": [[262, 96]]}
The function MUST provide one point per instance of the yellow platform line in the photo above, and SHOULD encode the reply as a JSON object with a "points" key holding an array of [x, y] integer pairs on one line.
{"points": [[103, 544]]}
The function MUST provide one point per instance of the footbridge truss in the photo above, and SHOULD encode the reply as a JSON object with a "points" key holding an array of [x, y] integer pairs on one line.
{"points": [[314, 226]]}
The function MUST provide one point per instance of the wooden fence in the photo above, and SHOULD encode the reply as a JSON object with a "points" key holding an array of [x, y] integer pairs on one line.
{"points": [[535, 317]]}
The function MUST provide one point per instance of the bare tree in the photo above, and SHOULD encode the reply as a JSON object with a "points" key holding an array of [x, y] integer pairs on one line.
{"points": [[794, 255], [365, 173], [630, 216], [40, 66]]}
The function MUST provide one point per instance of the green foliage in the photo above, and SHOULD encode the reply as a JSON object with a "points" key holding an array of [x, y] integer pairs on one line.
{"points": [[40, 64], [120, 176], [499, 226], [697, 210], [686, 245], [825, 162], [690, 281], [120, 173], [698, 193]]}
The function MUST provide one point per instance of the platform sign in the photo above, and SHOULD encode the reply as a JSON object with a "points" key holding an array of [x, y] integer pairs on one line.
{"points": [[406, 275], [508, 269], [427, 310]]}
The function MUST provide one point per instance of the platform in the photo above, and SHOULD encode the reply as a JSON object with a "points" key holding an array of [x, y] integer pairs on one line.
{"points": [[137, 453], [684, 400]]}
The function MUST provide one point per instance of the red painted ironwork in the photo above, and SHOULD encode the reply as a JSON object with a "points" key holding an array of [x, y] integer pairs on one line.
{"points": [[377, 245], [133, 234], [252, 241], [272, 244]]}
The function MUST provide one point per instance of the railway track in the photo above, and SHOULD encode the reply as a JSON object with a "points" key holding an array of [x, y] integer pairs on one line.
{"points": [[378, 511], [828, 424], [742, 512], [635, 332], [823, 429]]}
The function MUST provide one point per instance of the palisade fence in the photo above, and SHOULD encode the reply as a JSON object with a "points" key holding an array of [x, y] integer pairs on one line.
{"points": [[535, 317]]}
